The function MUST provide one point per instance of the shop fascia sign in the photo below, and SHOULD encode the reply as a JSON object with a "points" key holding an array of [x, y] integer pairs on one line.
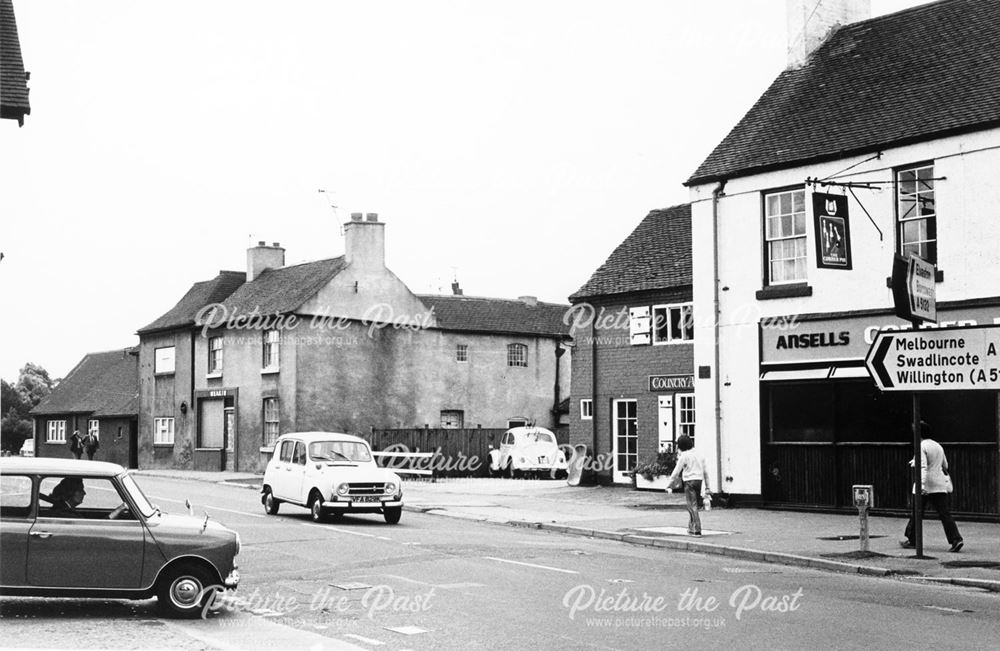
{"points": [[950, 359], [671, 382]]}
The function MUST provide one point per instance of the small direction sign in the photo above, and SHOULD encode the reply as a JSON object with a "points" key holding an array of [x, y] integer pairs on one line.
{"points": [[914, 289], [945, 359]]}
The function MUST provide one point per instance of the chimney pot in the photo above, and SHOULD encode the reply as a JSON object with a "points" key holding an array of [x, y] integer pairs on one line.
{"points": [[372, 216], [261, 243], [355, 216], [275, 245]]}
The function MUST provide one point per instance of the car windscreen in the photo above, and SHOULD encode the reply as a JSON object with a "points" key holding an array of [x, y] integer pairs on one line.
{"points": [[539, 437], [141, 503], [339, 451]]}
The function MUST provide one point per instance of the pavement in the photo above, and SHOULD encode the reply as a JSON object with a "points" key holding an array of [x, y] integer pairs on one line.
{"points": [[656, 519]]}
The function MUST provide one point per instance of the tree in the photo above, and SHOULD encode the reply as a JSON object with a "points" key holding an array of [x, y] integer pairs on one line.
{"points": [[17, 401]]}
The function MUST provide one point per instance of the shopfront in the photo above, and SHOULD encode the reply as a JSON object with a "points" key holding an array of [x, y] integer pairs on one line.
{"points": [[826, 426], [217, 433]]}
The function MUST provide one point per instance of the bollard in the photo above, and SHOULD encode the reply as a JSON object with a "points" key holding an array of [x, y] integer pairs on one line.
{"points": [[864, 498]]}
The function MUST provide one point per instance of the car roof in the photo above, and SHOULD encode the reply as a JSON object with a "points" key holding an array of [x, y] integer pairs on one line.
{"points": [[517, 431], [54, 466], [311, 437]]}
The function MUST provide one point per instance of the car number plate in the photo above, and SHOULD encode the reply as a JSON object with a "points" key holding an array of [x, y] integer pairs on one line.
{"points": [[543, 459], [367, 498]]}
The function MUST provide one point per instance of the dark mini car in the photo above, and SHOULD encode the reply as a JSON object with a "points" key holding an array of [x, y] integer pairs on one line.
{"points": [[71, 528]]}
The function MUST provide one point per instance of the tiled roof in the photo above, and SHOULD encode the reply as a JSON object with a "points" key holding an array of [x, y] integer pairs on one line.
{"points": [[656, 255], [201, 294], [13, 81], [497, 315], [907, 77], [284, 289], [103, 384]]}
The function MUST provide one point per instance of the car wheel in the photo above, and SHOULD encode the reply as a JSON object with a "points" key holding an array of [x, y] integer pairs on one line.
{"points": [[511, 473], [392, 514], [316, 508], [185, 590], [270, 502]]}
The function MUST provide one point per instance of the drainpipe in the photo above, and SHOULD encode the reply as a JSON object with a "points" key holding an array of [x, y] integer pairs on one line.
{"points": [[555, 403], [717, 194], [593, 388]]}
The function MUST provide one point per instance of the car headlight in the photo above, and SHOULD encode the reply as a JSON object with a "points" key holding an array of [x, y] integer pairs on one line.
{"points": [[390, 488], [343, 489], [522, 460]]}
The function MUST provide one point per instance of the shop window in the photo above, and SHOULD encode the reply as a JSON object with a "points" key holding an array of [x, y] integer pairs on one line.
{"points": [[672, 324], [785, 237], [517, 355], [56, 432], [802, 413], [960, 416], [163, 431], [866, 415], [586, 409], [163, 360], [452, 419], [271, 421], [916, 213]]}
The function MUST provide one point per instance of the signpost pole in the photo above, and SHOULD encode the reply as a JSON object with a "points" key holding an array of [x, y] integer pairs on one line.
{"points": [[918, 497]]}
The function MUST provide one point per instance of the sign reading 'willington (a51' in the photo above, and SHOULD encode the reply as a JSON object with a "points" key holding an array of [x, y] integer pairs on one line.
{"points": [[936, 360]]}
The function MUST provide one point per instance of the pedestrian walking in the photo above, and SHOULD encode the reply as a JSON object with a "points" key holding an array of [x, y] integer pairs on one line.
{"points": [[91, 443], [936, 488], [76, 444], [691, 470]]}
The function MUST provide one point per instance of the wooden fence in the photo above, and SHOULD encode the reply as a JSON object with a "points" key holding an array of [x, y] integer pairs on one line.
{"points": [[460, 452]]}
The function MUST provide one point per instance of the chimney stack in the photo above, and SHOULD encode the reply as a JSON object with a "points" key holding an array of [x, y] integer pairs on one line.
{"points": [[364, 242], [530, 301], [455, 289], [263, 257], [810, 22]]}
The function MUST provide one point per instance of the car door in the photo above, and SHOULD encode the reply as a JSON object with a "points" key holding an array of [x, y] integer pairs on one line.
{"points": [[84, 548], [506, 445], [288, 474], [15, 523]]}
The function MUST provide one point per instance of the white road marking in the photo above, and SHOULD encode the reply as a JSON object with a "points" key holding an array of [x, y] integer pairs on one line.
{"points": [[444, 586], [541, 567], [366, 640], [205, 506], [338, 530], [948, 610], [406, 630]]}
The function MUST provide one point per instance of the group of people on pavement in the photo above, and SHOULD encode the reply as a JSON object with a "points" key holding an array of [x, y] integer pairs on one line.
{"points": [[935, 483], [89, 444]]}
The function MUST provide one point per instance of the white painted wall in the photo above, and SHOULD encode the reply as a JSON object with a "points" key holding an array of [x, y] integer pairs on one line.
{"points": [[968, 209]]}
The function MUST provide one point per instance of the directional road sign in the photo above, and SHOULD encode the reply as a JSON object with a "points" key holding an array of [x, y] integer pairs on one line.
{"points": [[944, 359], [914, 289]]}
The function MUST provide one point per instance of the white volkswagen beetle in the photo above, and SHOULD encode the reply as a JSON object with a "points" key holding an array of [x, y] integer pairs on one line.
{"points": [[330, 474], [525, 450]]}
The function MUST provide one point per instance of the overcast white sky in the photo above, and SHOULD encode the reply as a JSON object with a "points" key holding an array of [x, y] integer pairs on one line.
{"points": [[510, 143]]}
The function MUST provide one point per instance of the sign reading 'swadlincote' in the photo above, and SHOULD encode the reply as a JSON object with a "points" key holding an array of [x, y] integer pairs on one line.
{"points": [[941, 360], [670, 382]]}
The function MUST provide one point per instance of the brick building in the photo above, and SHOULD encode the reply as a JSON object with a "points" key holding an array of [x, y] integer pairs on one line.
{"points": [[339, 345], [632, 389]]}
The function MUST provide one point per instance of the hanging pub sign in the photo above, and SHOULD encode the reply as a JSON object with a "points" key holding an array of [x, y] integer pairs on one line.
{"points": [[833, 231]]}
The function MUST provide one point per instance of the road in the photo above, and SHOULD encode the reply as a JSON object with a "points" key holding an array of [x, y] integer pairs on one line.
{"points": [[435, 582]]}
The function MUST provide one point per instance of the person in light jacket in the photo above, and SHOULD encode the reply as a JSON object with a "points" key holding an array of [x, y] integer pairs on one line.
{"points": [[691, 469], [936, 487]]}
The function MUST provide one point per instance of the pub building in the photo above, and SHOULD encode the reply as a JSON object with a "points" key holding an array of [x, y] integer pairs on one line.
{"points": [[633, 383], [797, 217]]}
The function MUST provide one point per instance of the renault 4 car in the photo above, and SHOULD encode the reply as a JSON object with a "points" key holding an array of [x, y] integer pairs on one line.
{"points": [[74, 528], [332, 475], [527, 450]]}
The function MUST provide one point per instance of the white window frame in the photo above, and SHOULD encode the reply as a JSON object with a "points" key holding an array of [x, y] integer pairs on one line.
{"points": [[271, 421], [639, 326], [517, 355], [586, 409], [685, 414], [271, 349], [215, 355], [56, 432], [163, 431], [797, 218], [449, 418], [94, 427], [164, 360], [685, 335], [918, 196], [462, 353]]}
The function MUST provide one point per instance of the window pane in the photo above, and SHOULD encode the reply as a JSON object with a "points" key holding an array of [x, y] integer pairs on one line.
{"points": [[772, 204], [801, 412], [786, 203], [786, 226], [800, 224]]}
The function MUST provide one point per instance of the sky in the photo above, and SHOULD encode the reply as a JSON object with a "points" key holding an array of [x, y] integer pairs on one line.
{"points": [[510, 145]]}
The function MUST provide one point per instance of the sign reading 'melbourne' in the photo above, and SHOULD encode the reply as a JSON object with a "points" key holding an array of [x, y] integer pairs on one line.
{"points": [[936, 360]]}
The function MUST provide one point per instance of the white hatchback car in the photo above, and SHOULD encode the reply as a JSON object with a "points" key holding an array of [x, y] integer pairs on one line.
{"points": [[330, 474], [526, 450]]}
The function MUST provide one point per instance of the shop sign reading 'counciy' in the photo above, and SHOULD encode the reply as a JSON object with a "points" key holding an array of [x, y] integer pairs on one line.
{"points": [[936, 360], [671, 382]]}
